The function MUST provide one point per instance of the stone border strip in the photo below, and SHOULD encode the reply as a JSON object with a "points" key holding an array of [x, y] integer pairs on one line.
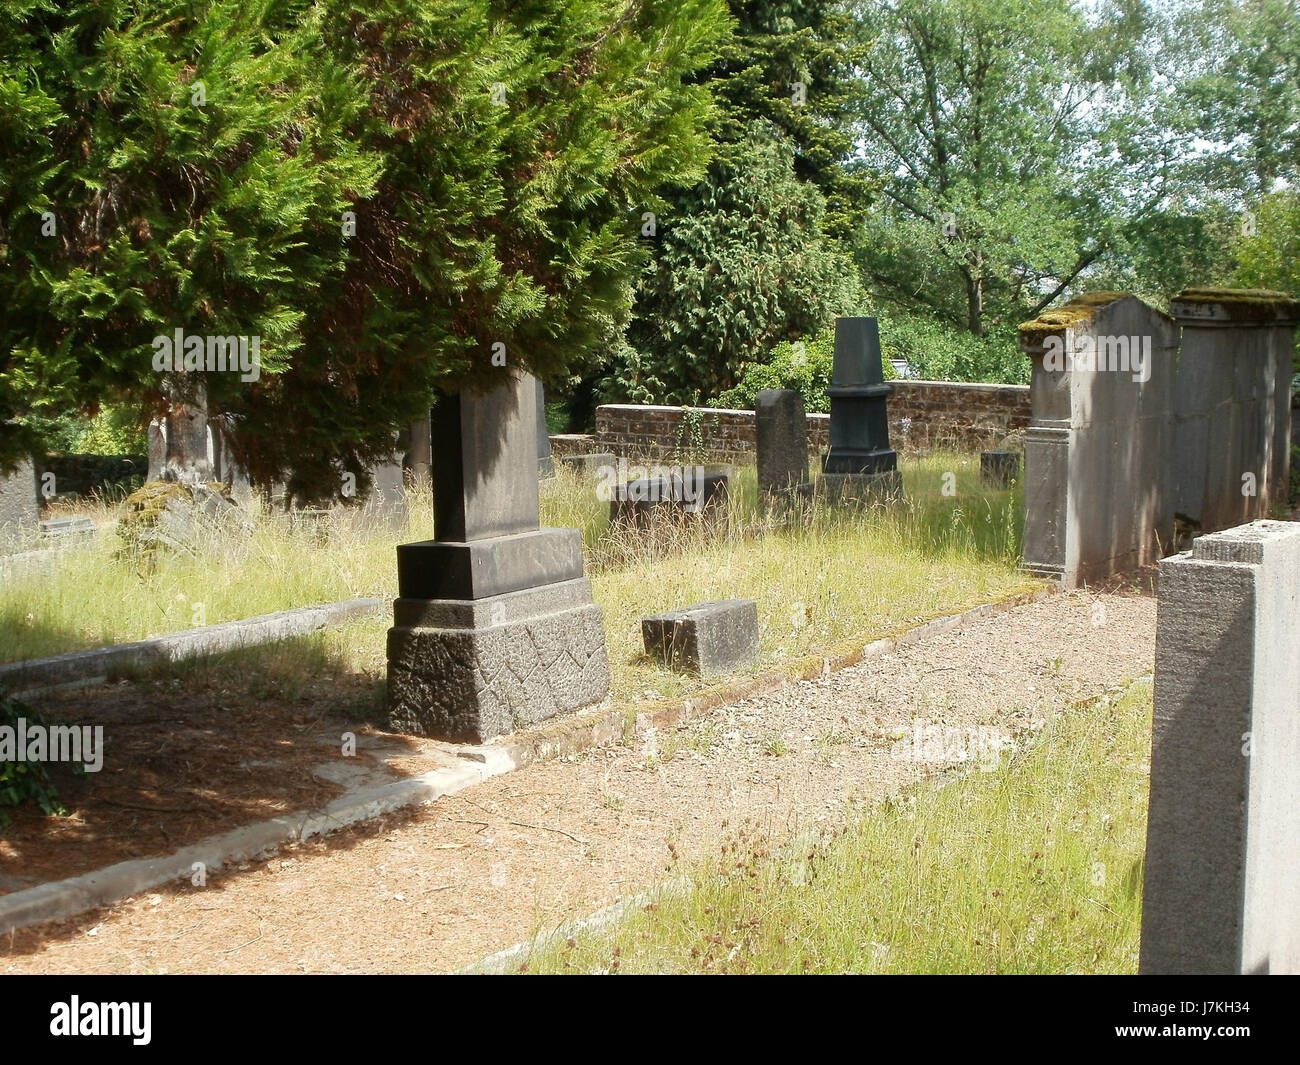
{"points": [[99, 663], [67, 898], [603, 725]]}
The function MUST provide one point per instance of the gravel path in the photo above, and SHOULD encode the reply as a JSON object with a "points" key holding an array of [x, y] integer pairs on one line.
{"points": [[439, 887]]}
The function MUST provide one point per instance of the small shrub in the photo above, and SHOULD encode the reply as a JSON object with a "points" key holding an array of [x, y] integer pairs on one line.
{"points": [[22, 781]]}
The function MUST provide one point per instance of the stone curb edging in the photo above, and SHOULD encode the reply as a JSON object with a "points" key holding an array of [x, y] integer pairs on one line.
{"points": [[67, 898], [101, 662]]}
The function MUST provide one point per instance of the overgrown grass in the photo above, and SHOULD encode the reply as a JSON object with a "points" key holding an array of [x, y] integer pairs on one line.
{"points": [[1033, 868], [819, 574]]}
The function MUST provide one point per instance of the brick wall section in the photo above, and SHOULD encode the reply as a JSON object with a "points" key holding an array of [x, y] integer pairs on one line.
{"points": [[922, 415]]}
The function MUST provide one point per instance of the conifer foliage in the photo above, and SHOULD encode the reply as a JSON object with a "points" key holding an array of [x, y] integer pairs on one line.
{"points": [[392, 195]]}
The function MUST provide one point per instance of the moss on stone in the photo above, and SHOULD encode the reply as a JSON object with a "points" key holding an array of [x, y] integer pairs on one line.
{"points": [[1058, 319], [1245, 304]]}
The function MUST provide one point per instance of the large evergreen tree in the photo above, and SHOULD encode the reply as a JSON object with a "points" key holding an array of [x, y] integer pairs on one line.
{"points": [[497, 157], [750, 255]]}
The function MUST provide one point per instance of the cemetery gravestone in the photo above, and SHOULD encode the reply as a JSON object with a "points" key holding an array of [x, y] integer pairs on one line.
{"points": [[860, 460], [545, 468], [494, 628], [690, 492], [781, 428], [20, 505], [999, 468], [589, 465], [705, 640]]}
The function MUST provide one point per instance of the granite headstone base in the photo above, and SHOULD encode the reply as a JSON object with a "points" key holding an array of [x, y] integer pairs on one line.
{"points": [[885, 487], [468, 670]]}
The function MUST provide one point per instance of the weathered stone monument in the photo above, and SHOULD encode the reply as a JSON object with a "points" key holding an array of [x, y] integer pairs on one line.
{"points": [[1231, 453], [673, 493], [495, 627], [589, 464], [860, 461], [1132, 439], [999, 468], [385, 504], [705, 640], [781, 429], [20, 503], [1101, 391], [1222, 870]]}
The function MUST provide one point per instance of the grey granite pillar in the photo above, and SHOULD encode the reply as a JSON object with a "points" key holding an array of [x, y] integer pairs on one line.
{"points": [[20, 504], [495, 627], [1222, 871], [781, 428]]}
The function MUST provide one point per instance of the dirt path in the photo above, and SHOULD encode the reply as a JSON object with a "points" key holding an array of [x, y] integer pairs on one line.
{"points": [[447, 884]]}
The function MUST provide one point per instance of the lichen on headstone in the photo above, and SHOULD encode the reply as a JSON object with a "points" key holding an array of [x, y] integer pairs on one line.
{"points": [[185, 518]]}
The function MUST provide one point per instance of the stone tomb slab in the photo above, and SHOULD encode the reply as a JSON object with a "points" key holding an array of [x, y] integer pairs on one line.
{"points": [[696, 493], [705, 640]]}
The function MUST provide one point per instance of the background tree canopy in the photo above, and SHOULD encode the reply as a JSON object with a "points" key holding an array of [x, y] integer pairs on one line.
{"points": [[951, 166], [196, 161]]}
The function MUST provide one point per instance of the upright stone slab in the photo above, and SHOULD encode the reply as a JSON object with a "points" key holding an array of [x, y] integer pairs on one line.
{"points": [[385, 505], [860, 458], [1098, 443], [781, 428], [495, 627], [20, 504], [1232, 403], [1222, 871], [999, 468], [545, 468]]}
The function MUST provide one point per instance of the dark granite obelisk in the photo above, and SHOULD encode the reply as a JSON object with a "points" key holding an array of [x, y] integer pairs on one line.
{"points": [[495, 627], [860, 460]]}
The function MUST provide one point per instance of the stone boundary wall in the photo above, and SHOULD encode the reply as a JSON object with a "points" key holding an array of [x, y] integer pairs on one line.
{"points": [[922, 415]]}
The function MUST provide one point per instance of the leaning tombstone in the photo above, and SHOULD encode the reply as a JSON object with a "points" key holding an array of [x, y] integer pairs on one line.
{"points": [[495, 627], [860, 463]]}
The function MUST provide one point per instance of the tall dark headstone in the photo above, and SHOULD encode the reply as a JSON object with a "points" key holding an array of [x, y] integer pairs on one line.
{"points": [[495, 627], [782, 435], [545, 468], [860, 458]]}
